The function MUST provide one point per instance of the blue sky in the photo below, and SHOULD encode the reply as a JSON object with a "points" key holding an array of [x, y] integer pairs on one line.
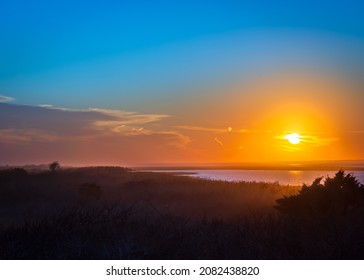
{"points": [[129, 51]]}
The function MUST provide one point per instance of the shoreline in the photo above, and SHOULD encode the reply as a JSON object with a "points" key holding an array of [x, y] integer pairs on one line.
{"points": [[262, 167]]}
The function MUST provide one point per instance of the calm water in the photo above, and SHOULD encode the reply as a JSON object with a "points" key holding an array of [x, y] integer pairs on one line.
{"points": [[284, 177]]}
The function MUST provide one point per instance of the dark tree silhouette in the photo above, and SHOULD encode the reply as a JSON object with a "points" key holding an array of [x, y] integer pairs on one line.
{"points": [[54, 166], [340, 194], [13, 174]]}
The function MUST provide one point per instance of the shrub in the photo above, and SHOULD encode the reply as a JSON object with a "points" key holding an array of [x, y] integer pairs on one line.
{"points": [[340, 194], [54, 166]]}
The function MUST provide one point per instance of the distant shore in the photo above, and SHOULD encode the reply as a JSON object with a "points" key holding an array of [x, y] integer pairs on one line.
{"points": [[347, 165]]}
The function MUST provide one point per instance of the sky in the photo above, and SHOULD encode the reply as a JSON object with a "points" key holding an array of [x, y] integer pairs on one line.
{"points": [[180, 82]]}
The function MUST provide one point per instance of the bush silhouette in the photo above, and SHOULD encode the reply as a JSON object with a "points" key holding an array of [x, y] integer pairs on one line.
{"points": [[54, 166], [340, 194]]}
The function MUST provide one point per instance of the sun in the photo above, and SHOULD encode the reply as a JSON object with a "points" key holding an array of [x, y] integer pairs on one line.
{"points": [[293, 138]]}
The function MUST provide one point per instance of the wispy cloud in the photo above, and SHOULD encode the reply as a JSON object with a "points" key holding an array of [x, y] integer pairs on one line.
{"points": [[200, 128], [44, 131], [129, 117], [5, 99], [177, 139], [25, 135], [218, 141], [210, 129], [46, 123], [318, 141], [310, 140], [46, 106], [291, 148], [75, 121], [126, 123]]}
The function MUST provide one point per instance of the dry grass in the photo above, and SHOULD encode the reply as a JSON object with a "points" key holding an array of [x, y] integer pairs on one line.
{"points": [[162, 216]]}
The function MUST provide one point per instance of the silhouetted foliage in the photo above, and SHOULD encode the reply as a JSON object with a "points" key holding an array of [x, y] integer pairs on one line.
{"points": [[146, 215], [54, 166], [13, 173], [340, 194]]}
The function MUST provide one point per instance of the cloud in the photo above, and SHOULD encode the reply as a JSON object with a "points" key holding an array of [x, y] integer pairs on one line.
{"points": [[318, 141], [178, 140], [121, 115], [64, 121], [126, 123], [39, 133], [5, 99], [139, 131], [130, 117], [45, 123], [218, 141], [200, 128], [209, 129], [95, 135], [52, 120], [291, 148], [46, 106], [25, 135], [310, 140]]}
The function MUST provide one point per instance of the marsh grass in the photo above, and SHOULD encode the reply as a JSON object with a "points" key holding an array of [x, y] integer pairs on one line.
{"points": [[139, 232], [141, 215]]}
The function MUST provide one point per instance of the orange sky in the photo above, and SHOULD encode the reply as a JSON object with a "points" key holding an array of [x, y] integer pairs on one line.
{"points": [[231, 125], [241, 123]]}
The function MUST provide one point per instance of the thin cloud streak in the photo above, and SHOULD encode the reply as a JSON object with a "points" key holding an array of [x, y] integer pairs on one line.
{"points": [[6, 99], [218, 141], [25, 135], [130, 117], [178, 139], [318, 141], [311, 140], [201, 129], [210, 129]]}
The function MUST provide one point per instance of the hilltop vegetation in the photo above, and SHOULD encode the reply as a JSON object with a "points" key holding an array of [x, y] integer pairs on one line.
{"points": [[338, 195], [23, 193]]}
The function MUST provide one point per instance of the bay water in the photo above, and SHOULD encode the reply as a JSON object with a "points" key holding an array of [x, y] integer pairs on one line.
{"points": [[283, 177]]}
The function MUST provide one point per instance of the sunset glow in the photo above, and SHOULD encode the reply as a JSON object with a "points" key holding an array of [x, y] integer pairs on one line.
{"points": [[138, 86], [181, 130]]}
